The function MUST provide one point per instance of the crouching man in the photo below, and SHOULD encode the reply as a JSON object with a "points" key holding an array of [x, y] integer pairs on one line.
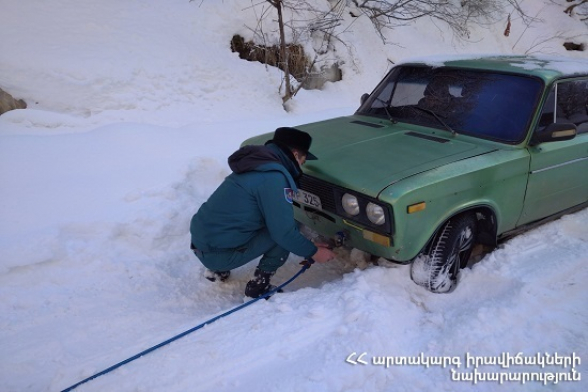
{"points": [[250, 214]]}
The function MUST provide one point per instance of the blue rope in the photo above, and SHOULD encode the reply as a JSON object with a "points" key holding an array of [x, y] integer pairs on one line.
{"points": [[305, 265]]}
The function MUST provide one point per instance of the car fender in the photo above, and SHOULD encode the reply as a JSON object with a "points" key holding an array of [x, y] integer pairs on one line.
{"points": [[494, 183]]}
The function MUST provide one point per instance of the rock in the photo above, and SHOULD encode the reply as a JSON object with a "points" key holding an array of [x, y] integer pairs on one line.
{"points": [[7, 102]]}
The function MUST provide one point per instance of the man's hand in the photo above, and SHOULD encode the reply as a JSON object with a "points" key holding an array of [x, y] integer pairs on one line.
{"points": [[323, 254]]}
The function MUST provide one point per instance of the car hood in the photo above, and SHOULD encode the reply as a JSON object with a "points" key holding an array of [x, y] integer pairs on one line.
{"points": [[368, 155]]}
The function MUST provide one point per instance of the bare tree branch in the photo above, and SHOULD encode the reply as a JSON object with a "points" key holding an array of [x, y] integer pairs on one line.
{"points": [[458, 16]]}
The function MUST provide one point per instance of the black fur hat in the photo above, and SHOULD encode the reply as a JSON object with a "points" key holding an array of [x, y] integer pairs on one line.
{"points": [[294, 138]]}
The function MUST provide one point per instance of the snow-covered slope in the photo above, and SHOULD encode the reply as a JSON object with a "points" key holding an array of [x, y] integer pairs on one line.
{"points": [[133, 108]]}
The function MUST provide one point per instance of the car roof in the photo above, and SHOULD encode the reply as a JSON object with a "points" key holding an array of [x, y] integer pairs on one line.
{"points": [[544, 67]]}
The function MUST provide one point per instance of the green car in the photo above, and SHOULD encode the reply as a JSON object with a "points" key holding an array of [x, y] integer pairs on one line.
{"points": [[444, 155]]}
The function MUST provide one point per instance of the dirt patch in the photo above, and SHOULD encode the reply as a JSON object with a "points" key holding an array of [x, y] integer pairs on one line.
{"points": [[300, 66], [270, 55], [574, 46]]}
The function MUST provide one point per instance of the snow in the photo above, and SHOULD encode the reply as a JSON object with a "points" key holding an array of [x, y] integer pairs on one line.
{"points": [[134, 107]]}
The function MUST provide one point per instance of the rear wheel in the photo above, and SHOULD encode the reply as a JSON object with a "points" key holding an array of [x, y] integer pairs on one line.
{"points": [[450, 250]]}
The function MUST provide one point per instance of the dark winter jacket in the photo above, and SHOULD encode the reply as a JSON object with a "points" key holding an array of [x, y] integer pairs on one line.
{"points": [[255, 196]]}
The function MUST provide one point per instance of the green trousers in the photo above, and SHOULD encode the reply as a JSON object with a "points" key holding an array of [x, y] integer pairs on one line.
{"points": [[273, 255]]}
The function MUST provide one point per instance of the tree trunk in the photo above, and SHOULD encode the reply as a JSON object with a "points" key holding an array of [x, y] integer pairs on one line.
{"points": [[284, 54]]}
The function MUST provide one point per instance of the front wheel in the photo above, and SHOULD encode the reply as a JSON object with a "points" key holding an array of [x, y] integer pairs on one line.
{"points": [[450, 250]]}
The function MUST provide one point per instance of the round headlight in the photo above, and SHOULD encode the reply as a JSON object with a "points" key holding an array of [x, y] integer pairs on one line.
{"points": [[350, 204], [375, 214]]}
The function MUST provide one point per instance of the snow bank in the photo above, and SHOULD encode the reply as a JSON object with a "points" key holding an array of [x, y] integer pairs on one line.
{"points": [[133, 108]]}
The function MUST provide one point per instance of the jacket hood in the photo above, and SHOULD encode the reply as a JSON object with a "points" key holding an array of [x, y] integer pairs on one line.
{"points": [[249, 158], [258, 158]]}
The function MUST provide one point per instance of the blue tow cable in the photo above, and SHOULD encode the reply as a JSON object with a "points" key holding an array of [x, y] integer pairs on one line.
{"points": [[305, 265]]}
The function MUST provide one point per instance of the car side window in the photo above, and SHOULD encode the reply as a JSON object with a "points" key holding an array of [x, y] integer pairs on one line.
{"points": [[572, 104], [567, 103]]}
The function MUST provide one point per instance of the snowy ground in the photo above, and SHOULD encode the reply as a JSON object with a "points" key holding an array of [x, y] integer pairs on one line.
{"points": [[133, 108]]}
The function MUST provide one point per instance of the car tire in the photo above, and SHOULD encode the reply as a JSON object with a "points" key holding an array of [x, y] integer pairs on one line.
{"points": [[437, 270]]}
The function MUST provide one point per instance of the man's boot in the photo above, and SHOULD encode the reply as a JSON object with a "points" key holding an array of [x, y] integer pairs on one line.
{"points": [[214, 275], [260, 284]]}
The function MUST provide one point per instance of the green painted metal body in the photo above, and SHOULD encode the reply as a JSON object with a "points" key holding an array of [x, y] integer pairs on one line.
{"points": [[402, 164]]}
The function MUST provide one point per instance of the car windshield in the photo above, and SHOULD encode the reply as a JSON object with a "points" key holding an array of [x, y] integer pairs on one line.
{"points": [[484, 104]]}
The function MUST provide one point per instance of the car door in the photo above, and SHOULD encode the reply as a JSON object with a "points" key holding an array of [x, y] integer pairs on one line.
{"points": [[558, 175]]}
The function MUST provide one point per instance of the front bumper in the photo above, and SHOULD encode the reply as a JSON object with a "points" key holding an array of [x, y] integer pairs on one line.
{"points": [[336, 228]]}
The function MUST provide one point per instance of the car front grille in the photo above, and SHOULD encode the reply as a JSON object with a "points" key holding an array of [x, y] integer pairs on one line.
{"points": [[322, 189]]}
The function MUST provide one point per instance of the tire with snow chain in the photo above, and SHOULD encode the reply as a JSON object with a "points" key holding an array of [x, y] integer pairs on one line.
{"points": [[450, 250]]}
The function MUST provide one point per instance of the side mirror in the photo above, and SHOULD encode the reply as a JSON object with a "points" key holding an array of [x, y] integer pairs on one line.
{"points": [[364, 98], [554, 133]]}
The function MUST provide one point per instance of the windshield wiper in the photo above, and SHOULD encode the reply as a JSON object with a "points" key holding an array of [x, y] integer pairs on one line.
{"points": [[386, 106], [438, 118], [390, 117]]}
